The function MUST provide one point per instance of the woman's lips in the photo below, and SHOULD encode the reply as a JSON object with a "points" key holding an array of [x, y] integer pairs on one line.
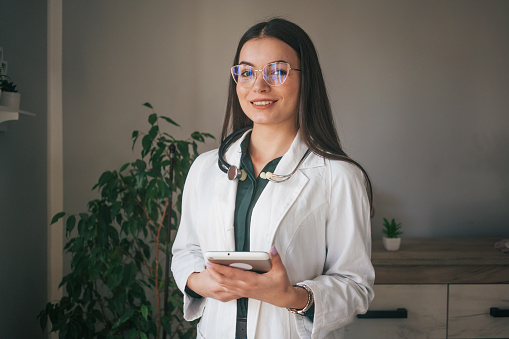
{"points": [[263, 103]]}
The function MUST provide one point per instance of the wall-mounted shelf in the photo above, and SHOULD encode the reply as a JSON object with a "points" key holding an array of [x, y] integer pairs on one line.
{"points": [[7, 113]]}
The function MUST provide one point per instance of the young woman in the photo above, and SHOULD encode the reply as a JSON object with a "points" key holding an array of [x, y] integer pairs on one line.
{"points": [[280, 183]]}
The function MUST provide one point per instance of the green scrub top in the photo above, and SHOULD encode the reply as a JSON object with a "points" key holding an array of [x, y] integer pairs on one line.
{"points": [[248, 192]]}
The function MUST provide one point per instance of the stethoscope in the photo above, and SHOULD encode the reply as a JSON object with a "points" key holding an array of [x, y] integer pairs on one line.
{"points": [[235, 173]]}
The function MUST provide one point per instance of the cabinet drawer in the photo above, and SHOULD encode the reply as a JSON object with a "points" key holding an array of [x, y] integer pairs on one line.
{"points": [[426, 307], [469, 311]]}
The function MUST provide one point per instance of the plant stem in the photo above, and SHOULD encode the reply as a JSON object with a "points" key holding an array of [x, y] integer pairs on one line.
{"points": [[157, 241], [145, 260], [106, 322]]}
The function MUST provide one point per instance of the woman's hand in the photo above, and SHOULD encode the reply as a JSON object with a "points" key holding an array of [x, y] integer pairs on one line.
{"points": [[203, 284], [272, 287]]}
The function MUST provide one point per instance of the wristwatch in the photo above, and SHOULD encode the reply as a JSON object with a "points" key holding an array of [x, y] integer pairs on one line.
{"points": [[311, 300]]}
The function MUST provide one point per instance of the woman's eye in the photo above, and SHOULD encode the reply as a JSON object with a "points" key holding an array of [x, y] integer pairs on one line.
{"points": [[279, 72], [246, 73]]}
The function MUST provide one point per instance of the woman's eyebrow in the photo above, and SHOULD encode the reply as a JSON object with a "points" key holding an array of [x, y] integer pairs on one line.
{"points": [[246, 63], [250, 64]]}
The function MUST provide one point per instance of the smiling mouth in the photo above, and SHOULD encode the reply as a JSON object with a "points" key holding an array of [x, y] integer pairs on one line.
{"points": [[263, 103]]}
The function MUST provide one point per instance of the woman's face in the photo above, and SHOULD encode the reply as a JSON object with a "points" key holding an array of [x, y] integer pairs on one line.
{"points": [[262, 103]]}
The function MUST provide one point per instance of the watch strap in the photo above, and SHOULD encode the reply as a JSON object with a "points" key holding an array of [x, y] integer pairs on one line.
{"points": [[310, 302]]}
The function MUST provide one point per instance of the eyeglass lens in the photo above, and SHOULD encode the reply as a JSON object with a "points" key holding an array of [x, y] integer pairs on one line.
{"points": [[274, 74]]}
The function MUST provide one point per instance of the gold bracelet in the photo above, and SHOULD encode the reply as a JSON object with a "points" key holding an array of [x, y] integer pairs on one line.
{"points": [[311, 300]]}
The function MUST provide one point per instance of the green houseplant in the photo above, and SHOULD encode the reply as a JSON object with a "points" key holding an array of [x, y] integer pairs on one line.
{"points": [[391, 231], [116, 285], [7, 86]]}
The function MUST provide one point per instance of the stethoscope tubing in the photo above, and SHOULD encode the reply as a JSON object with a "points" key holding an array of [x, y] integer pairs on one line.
{"points": [[234, 173], [225, 145]]}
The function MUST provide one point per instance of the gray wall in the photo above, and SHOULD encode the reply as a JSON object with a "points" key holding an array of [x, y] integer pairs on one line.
{"points": [[419, 90], [23, 219]]}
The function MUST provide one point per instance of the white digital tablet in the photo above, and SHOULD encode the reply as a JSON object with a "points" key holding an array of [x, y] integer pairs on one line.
{"points": [[249, 261]]}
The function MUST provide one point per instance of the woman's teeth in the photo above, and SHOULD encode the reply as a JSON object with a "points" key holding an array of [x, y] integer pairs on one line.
{"points": [[262, 103]]}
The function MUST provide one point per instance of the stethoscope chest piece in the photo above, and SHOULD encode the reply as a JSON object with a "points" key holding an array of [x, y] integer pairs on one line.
{"points": [[235, 173]]}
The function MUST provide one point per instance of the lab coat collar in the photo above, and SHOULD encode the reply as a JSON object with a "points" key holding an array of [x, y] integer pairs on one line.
{"points": [[289, 161]]}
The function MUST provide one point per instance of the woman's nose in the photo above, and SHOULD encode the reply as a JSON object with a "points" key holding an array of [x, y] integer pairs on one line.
{"points": [[260, 85]]}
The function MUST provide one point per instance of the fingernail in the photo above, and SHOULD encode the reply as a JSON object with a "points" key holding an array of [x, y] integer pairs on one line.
{"points": [[207, 264], [273, 250]]}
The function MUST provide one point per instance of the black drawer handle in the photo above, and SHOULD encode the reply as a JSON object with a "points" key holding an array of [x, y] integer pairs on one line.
{"points": [[499, 313], [400, 313]]}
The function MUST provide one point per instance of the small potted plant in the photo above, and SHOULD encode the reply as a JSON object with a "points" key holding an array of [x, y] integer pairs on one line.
{"points": [[10, 96], [391, 231]]}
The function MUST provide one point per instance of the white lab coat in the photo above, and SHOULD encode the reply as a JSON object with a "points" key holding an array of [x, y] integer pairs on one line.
{"points": [[318, 220]]}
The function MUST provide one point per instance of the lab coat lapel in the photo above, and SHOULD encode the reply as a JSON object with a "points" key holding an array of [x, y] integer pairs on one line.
{"points": [[272, 206], [278, 198], [224, 206], [225, 196], [283, 198]]}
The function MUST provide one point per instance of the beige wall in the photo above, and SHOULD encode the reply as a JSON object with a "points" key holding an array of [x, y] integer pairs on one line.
{"points": [[419, 89]]}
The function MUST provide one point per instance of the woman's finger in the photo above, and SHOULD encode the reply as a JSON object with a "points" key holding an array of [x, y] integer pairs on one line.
{"points": [[275, 257], [277, 264], [231, 272], [214, 273], [217, 290]]}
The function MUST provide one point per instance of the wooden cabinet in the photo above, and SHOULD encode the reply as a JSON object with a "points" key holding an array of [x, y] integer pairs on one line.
{"points": [[445, 287], [469, 311], [426, 313]]}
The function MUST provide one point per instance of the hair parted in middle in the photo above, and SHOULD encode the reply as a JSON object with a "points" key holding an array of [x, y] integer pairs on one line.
{"points": [[314, 117]]}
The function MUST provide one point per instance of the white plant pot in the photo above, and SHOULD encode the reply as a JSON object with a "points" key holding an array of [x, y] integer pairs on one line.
{"points": [[10, 99], [391, 244]]}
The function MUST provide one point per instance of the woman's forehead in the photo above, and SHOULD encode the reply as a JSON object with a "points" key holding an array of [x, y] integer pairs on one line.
{"points": [[259, 52]]}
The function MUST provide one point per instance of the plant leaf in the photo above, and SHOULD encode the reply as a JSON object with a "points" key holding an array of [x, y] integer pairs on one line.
{"points": [[126, 316], [71, 222], [124, 167], [197, 136], [147, 104], [57, 217], [170, 121], [144, 311], [132, 334], [165, 321], [208, 135], [152, 118], [135, 138]]}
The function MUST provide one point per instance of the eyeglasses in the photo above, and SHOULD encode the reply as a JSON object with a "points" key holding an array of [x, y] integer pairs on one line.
{"points": [[275, 74]]}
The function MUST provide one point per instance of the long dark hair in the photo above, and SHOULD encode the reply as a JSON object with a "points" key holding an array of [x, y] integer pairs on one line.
{"points": [[315, 119]]}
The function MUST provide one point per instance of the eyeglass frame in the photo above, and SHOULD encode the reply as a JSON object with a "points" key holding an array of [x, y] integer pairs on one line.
{"points": [[261, 70]]}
